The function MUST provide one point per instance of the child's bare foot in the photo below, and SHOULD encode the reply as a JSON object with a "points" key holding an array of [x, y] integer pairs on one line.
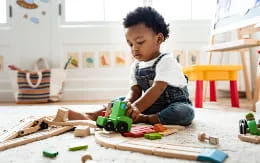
{"points": [[149, 119]]}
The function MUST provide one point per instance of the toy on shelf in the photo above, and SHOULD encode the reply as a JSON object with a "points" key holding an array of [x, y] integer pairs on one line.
{"points": [[212, 140], [117, 120]]}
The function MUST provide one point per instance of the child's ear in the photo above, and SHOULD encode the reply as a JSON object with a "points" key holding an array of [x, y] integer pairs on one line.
{"points": [[160, 38]]}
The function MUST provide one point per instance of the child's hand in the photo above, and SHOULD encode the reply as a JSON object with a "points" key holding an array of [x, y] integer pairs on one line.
{"points": [[132, 111]]}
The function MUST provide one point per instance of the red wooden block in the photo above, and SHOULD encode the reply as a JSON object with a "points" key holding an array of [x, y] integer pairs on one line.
{"points": [[103, 113], [139, 131]]}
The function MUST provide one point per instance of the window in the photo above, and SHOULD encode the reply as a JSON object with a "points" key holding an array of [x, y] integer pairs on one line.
{"points": [[173, 9], [82, 11], [98, 10], [3, 15], [116, 10], [203, 9]]}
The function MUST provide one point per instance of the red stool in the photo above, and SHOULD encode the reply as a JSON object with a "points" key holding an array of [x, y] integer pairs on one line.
{"points": [[211, 73]]}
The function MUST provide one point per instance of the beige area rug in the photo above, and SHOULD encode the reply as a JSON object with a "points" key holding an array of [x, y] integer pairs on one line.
{"points": [[215, 119]]}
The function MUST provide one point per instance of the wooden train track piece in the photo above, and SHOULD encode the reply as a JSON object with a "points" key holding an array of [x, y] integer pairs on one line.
{"points": [[89, 123], [249, 138], [17, 130], [53, 131], [116, 141]]}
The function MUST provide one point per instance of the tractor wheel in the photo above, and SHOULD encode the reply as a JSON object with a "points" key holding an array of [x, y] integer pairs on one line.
{"points": [[122, 127], [99, 126], [109, 126]]}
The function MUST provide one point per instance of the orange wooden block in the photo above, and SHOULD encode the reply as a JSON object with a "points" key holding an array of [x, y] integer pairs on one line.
{"points": [[159, 127]]}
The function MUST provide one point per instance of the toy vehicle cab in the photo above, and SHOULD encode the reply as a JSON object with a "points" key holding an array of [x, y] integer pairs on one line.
{"points": [[117, 120]]}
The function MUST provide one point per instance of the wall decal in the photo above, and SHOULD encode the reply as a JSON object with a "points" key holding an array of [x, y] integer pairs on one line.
{"points": [[120, 58], [74, 61], [35, 20], [28, 4], [104, 59], [43, 12], [1, 63], [180, 57], [88, 59], [193, 57], [25, 16]]}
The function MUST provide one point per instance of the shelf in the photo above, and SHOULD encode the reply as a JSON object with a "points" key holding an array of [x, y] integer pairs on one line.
{"points": [[233, 45]]}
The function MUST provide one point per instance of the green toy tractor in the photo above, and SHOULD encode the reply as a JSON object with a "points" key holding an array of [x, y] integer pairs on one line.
{"points": [[117, 120]]}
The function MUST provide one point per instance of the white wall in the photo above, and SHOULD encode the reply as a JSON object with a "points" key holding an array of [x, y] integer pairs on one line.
{"points": [[23, 42]]}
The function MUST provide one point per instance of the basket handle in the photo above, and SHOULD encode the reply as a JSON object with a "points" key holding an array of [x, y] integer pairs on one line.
{"points": [[30, 82]]}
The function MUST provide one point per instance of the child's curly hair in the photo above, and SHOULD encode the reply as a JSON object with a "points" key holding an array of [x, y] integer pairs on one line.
{"points": [[150, 17]]}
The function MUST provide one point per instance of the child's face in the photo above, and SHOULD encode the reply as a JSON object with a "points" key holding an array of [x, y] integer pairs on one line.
{"points": [[144, 42]]}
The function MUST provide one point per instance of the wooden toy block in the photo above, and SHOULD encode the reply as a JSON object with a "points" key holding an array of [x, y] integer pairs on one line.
{"points": [[139, 131], [82, 131], [50, 153], [78, 147], [86, 157], [249, 138], [159, 127], [108, 109], [212, 140], [153, 136], [103, 113], [62, 115], [168, 132], [160, 149]]}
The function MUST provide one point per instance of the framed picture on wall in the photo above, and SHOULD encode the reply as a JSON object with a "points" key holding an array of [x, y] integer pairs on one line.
{"points": [[1, 63], [88, 59], [180, 56], [193, 57], [104, 59], [74, 63], [120, 58]]}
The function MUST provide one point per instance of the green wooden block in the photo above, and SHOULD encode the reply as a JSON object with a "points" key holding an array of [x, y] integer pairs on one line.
{"points": [[153, 136], [80, 147], [50, 153]]}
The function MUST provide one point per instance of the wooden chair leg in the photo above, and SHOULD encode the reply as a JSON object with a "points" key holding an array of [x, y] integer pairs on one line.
{"points": [[199, 94], [234, 93], [212, 89]]}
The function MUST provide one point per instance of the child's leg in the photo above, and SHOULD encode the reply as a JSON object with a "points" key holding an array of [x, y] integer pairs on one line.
{"points": [[177, 114], [74, 115]]}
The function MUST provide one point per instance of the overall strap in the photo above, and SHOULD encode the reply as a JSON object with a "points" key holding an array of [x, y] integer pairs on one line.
{"points": [[159, 58]]}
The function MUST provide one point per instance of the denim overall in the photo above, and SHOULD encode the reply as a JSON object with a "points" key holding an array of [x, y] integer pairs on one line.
{"points": [[173, 106]]}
